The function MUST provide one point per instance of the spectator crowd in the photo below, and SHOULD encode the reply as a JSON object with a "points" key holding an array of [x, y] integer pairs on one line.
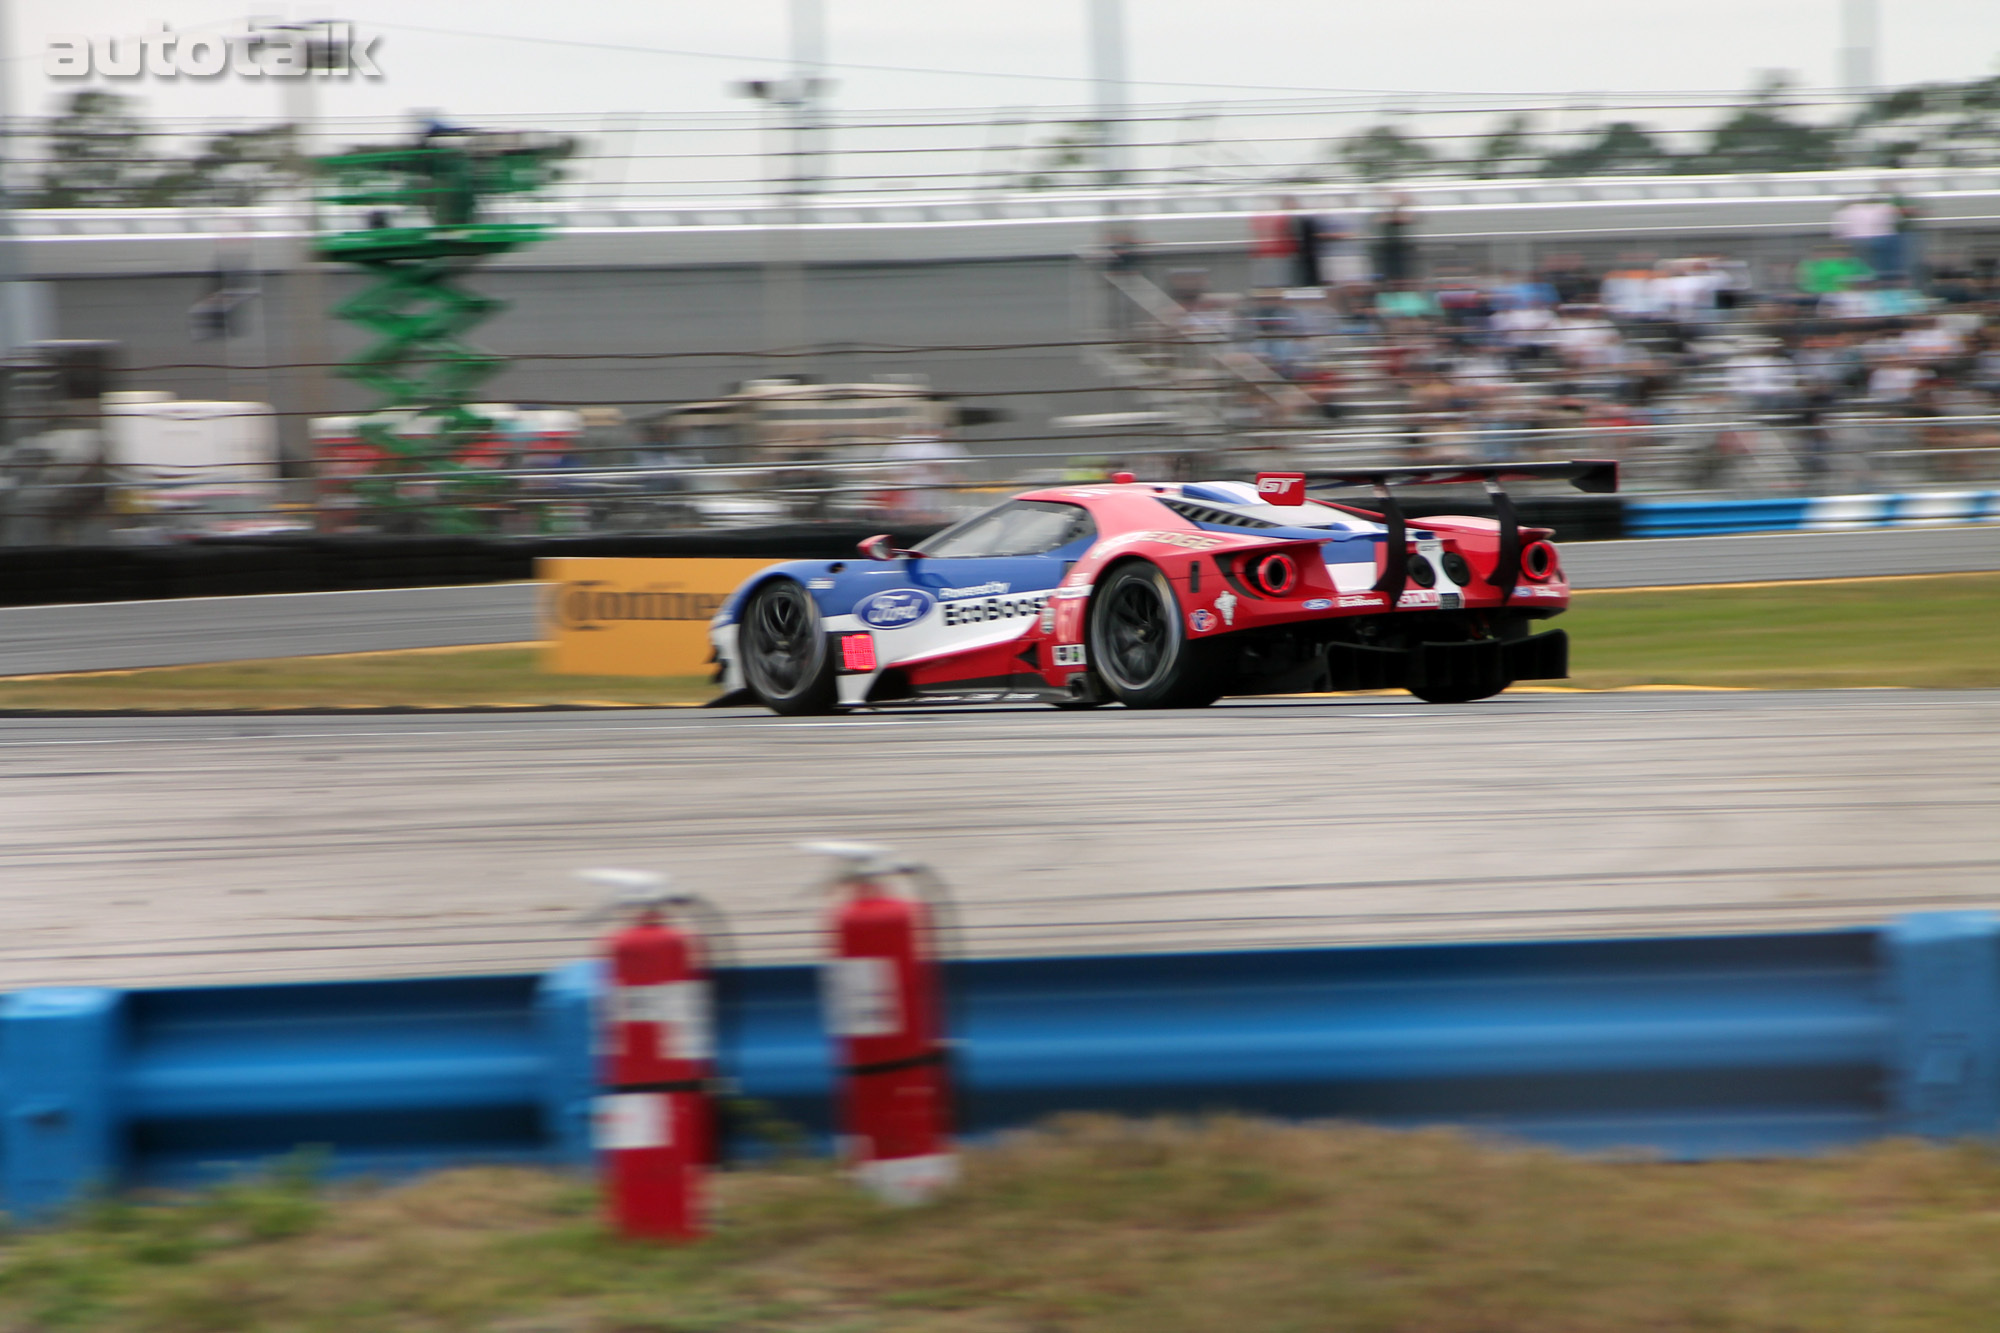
{"points": [[1853, 363]]}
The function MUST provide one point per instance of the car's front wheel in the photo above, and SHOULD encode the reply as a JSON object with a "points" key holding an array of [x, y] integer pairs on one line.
{"points": [[785, 659], [1139, 644]]}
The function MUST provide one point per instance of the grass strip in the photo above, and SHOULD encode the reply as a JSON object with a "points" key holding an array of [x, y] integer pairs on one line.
{"points": [[1937, 632], [1090, 1226], [1940, 632], [485, 677]]}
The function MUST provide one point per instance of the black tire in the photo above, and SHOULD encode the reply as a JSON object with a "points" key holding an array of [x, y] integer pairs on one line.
{"points": [[785, 659], [1139, 647], [1457, 694]]}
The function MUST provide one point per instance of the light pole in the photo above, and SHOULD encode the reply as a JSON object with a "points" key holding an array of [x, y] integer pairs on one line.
{"points": [[794, 102], [15, 312], [324, 46], [1107, 72], [1858, 34]]}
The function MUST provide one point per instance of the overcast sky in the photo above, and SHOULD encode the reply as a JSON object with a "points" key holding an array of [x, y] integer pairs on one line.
{"points": [[602, 56]]}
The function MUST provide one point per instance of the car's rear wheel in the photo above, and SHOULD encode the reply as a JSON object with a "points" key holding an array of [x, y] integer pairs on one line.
{"points": [[1139, 645], [785, 659]]}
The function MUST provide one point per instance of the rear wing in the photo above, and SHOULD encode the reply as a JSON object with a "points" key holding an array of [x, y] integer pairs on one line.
{"points": [[1594, 475], [1598, 476]]}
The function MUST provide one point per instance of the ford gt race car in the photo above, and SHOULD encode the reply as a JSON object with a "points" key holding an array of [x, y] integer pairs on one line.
{"points": [[1167, 595]]}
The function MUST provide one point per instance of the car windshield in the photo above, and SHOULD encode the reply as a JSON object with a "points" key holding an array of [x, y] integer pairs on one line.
{"points": [[1019, 527]]}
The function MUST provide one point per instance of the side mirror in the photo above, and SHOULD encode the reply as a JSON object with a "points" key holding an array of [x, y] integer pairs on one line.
{"points": [[878, 547]]}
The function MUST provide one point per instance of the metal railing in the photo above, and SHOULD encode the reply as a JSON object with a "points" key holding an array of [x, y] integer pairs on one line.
{"points": [[1706, 450], [1688, 1046]]}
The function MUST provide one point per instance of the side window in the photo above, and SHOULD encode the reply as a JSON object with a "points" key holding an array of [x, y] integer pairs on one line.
{"points": [[975, 536], [1019, 527]]}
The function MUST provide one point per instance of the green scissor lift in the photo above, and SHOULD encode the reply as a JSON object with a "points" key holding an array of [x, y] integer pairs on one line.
{"points": [[427, 200]]}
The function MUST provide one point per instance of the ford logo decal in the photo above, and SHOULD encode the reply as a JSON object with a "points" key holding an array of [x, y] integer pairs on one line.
{"points": [[893, 608]]}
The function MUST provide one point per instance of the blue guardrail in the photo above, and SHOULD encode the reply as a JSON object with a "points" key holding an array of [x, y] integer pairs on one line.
{"points": [[1816, 513], [1691, 1047]]}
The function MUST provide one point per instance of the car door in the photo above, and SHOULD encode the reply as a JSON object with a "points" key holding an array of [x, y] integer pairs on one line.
{"points": [[980, 584]]}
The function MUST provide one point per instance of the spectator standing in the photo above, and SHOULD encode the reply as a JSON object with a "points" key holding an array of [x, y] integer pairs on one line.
{"points": [[1632, 292], [1275, 255], [1907, 257], [1826, 271], [1763, 377], [1395, 249], [1337, 247], [1868, 226], [1305, 250]]}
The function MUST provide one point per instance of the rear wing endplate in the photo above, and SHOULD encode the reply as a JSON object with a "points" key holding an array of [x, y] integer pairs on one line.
{"points": [[1594, 475]]}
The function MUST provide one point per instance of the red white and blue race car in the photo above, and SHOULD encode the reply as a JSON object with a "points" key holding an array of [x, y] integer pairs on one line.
{"points": [[1167, 595]]}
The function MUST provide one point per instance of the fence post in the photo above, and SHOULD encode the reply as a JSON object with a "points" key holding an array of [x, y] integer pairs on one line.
{"points": [[565, 1017], [1944, 976], [58, 1128]]}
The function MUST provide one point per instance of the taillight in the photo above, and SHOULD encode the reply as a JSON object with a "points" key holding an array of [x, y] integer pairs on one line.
{"points": [[1456, 569], [1421, 571], [1275, 574], [1538, 560]]}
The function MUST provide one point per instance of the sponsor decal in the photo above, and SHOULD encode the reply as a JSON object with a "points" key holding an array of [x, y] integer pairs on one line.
{"points": [[586, 604], [1187, 541], [994, 608], [1318, 603], [1361, 599], [1069, 655], [1419, 597], [1226, 604], [1048, 620], [1201, 622], [893, 608], [819, 585], [1073, 592], [1430, 546], [976, 590], [1532, 591]]}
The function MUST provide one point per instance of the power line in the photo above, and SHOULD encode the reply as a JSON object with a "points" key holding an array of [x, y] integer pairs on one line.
{"points": [[628, 48]]}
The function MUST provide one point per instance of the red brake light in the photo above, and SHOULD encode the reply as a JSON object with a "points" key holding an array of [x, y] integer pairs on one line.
{"points": [[1276, 574], [857, 652]]}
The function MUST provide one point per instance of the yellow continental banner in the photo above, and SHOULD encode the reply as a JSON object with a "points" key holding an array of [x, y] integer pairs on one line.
{"points": [[605, 617]]}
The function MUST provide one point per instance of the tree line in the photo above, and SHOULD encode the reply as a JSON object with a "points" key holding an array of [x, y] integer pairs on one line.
{"points": [[1926, 125]]}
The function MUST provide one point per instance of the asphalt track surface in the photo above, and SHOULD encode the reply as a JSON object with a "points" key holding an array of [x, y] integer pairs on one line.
{"points": [[118, 635], [176, 850]]}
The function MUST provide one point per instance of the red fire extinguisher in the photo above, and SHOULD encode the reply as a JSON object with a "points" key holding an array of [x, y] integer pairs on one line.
{"points": [[654, 1122], [883, 1006]]}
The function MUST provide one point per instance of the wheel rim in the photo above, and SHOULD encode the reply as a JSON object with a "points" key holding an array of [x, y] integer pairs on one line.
{"points": [[1136, 632], [783, 642]]}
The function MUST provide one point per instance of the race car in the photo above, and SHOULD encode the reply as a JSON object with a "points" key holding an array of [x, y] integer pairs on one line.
{"points": [[1167, 595]]}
